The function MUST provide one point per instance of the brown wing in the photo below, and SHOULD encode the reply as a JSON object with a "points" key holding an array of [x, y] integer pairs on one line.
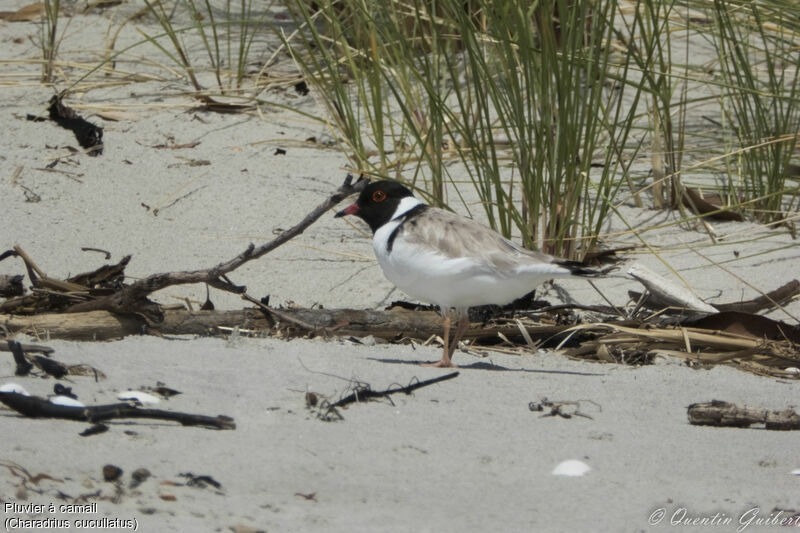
{"points": [[454, 236]]}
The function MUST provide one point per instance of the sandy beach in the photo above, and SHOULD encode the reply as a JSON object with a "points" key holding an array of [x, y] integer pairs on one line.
{"points": [[466, 454]]}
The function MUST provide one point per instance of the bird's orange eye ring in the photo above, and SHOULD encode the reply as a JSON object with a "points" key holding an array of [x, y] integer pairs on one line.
{"points": [[378, 196]]}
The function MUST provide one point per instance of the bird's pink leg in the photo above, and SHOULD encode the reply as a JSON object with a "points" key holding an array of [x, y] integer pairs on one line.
{"points": [[445, 361], [461, 328], [450, 345]]}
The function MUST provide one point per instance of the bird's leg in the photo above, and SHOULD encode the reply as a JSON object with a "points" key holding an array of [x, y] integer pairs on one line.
{"points": [[461, 328], [446, 348], [447, 352], [450, 345]]}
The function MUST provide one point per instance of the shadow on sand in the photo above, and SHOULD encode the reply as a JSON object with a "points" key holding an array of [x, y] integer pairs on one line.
{"points": [[480, 365]]}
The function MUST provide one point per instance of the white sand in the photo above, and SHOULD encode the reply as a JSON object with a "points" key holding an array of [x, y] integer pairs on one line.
{"points": [[463, 455]]}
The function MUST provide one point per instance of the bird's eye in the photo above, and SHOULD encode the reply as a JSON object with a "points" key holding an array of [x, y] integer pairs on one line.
{"points": [[378, 196]]}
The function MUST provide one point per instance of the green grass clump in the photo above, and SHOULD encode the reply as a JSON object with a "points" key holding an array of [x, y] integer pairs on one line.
{"points": [[227, 39], [535, 104], [758, 59], [523, 96], [532, 111]]}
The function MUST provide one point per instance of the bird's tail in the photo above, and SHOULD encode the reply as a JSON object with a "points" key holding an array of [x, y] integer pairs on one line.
{"points": [[579, 269]]}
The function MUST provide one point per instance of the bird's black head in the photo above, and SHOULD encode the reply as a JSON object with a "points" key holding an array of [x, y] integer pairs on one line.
{"points": [[377, 203]]}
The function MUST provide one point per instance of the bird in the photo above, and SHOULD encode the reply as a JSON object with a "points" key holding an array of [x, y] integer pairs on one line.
{"points": [[442, 258]]}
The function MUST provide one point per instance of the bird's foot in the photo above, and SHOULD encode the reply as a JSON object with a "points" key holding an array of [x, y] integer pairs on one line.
{"points": [[441, 364]]}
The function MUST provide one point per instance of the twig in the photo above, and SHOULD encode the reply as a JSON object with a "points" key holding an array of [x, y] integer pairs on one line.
{"points": [[8, 253], [35, 407], [557, 408], [132, 299], [603, 309], [98, 250], [365, 393], [619, 311], [362, 392], [280, 315]]}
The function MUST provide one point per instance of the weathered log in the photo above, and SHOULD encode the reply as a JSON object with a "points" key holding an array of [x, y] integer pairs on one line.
{"points": [[94, 325], [392, 324], [724, 414]]}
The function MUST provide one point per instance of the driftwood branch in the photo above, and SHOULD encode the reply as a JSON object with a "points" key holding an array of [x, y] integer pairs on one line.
{"points": [[132, 299], [36, 407], [724, 414], [391, 325], [769, 300]]}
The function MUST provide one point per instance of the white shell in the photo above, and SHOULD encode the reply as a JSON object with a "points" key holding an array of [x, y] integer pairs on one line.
{"points": [[571, 468], [796, 472], [138, 397], [13, 387], [792, 370], [66, 401]]}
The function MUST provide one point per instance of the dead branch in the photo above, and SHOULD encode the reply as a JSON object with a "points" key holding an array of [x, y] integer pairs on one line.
{"points": [[36, 407], [393, 324], [132, 299], [55, 295], [724, 414]]}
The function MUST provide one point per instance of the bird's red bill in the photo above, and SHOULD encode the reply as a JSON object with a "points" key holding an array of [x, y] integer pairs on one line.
{"points": [[351, 210]]}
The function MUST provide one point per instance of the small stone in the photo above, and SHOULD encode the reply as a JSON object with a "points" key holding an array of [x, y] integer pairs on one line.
{"points": [[139, 476], [111, 472]]}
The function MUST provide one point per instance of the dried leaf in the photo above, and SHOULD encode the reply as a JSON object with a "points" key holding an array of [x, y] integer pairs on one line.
{"points": [[27, 13]]}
